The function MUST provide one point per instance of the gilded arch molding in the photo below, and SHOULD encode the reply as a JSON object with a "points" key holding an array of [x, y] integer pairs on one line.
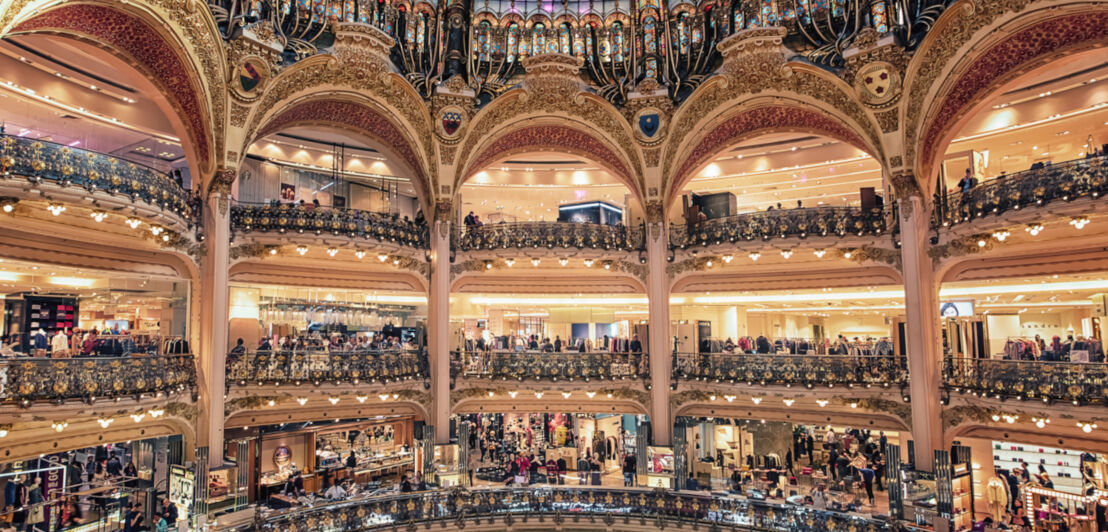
{"points": [[943, 83], [185, 66], [580, 110], [358, 117], [551, 137], [761, 72], [363, 78], [749, 121]]}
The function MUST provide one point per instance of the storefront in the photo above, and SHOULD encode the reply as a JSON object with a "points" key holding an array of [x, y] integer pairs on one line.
{"points": [[565, 448], [52, 311], [318, 453]]}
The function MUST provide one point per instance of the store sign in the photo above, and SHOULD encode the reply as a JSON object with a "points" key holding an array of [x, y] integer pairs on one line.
{"points": [[282, 456], [182, 483], [52, 488], [956, 309]]}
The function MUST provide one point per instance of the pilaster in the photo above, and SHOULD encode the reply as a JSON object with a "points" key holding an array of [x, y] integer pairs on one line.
{"points": [[921, 292], [214, 312], [660, 345], [438, 325]]}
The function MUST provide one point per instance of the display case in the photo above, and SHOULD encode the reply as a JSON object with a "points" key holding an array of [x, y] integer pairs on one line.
{"points": [[1063, 466], [659, 467], [222, 488], [919, 497]]}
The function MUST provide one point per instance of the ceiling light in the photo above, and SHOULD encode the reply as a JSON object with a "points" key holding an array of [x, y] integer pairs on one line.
{"points": [[565, 395], [1080, 222], [1034, 229], [362, 398], [395, 261], [821, 402], [513, 394], [708, 263], [754, 255], [156, 229], [789, 402], [360, 253], [302, 400], [538, 395], [488, 265], [981, 243], [728, 258], [563, 261], [509, 262], [98, 216], [332, 251], [1086, 427], [133, 222], [382, 257], [334, 400], [301, 249], [8, 204], [56, 208], [588, 263], [155, 412], [138, 417], [786, 253], [1001, 235], [756, 400], [590, 394], [535, 261], [104, 422], [819, 253], [61, 425], [271, 402]]}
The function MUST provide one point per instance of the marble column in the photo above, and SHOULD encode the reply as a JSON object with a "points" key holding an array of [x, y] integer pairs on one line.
{"points": [[921, 293], [438, 329], [661, 344], [214, 311]]}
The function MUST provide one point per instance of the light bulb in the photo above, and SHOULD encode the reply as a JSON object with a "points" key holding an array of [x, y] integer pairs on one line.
{"points": [[302, 400], [728, 258], [99, 216], [535, 261], [273, 251], [1034, 229], [133, 222], [789, 402], [334, 400], [382, 258], [56, 208], [821, 402], [756, 400], [588, 263], [362, 398], [754, 255], [1001, 235], [332, 251], [819, 253], [786, 253], [1079, 222], [563, 261], [156, 229], [302, 249], [359, 253], [510, 262]]}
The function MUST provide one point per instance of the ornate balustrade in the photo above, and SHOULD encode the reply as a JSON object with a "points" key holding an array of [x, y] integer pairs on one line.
{"points": [[781, 223], [603, 506], [800, 370], [549, 235], [30, 380], [318, 367], [287, 218], [1081, 383], [551, 367], [1081, 178], [40, 161]]}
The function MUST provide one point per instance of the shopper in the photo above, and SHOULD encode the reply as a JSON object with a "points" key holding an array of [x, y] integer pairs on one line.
{"points": [[36, 512], [133, 519], [169, 512]]}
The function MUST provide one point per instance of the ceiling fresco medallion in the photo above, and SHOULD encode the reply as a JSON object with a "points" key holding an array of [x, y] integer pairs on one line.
{"points": [[878, 84]]}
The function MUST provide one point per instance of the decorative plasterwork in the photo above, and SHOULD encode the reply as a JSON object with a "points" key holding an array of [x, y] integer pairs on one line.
{"points": [[760, 120], [552, 137], [876, 404], [145, 48], [354, 116], [865, 254], [992, 67], [967, 245]]}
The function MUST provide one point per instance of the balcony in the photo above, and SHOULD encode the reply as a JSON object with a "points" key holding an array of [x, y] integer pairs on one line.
{"points": [[1076, 382], [792, 370], [541, 366], [78, 173], [601, 507], [323, 367], [286, 218], [549, 235], [56, 380], [781, 224], [1063, 182]]}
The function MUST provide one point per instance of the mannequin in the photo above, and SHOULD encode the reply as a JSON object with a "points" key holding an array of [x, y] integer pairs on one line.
{"points": [[59, 345], [996, 493], [40, 342]]}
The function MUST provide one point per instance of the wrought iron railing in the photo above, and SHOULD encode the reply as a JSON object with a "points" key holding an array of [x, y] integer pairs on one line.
{"points": [[39, 161], [597, 505], [288, 218], [543, 366], [319, 367], [1081, 178], [550, 235], [1082, 383], [30, 380], [798, 370], [781, 223]]}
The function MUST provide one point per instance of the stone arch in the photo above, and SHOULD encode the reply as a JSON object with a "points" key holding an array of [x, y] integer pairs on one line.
{"points": [[750, 119], [369, 84], [359, 116], [585, 112], [556, 136], [975, 49], [157, 45]]}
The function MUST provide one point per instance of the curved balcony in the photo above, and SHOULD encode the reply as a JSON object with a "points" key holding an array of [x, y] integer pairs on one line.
{"points": [[792, 370], [1077, 382], [1063, 182], [323, 367], [550, 235], [286, 218], [781, 224], [601, 506], [32, 380], [549, 367], [84, 172]]}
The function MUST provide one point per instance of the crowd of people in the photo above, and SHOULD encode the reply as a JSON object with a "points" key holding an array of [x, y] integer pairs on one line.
{"points": [[65, 343], [317, 341]]}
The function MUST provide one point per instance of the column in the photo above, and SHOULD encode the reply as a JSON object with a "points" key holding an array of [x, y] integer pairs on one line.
{"points": [[661, 344], [214, 312], [921, 303], [438, 325]]}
